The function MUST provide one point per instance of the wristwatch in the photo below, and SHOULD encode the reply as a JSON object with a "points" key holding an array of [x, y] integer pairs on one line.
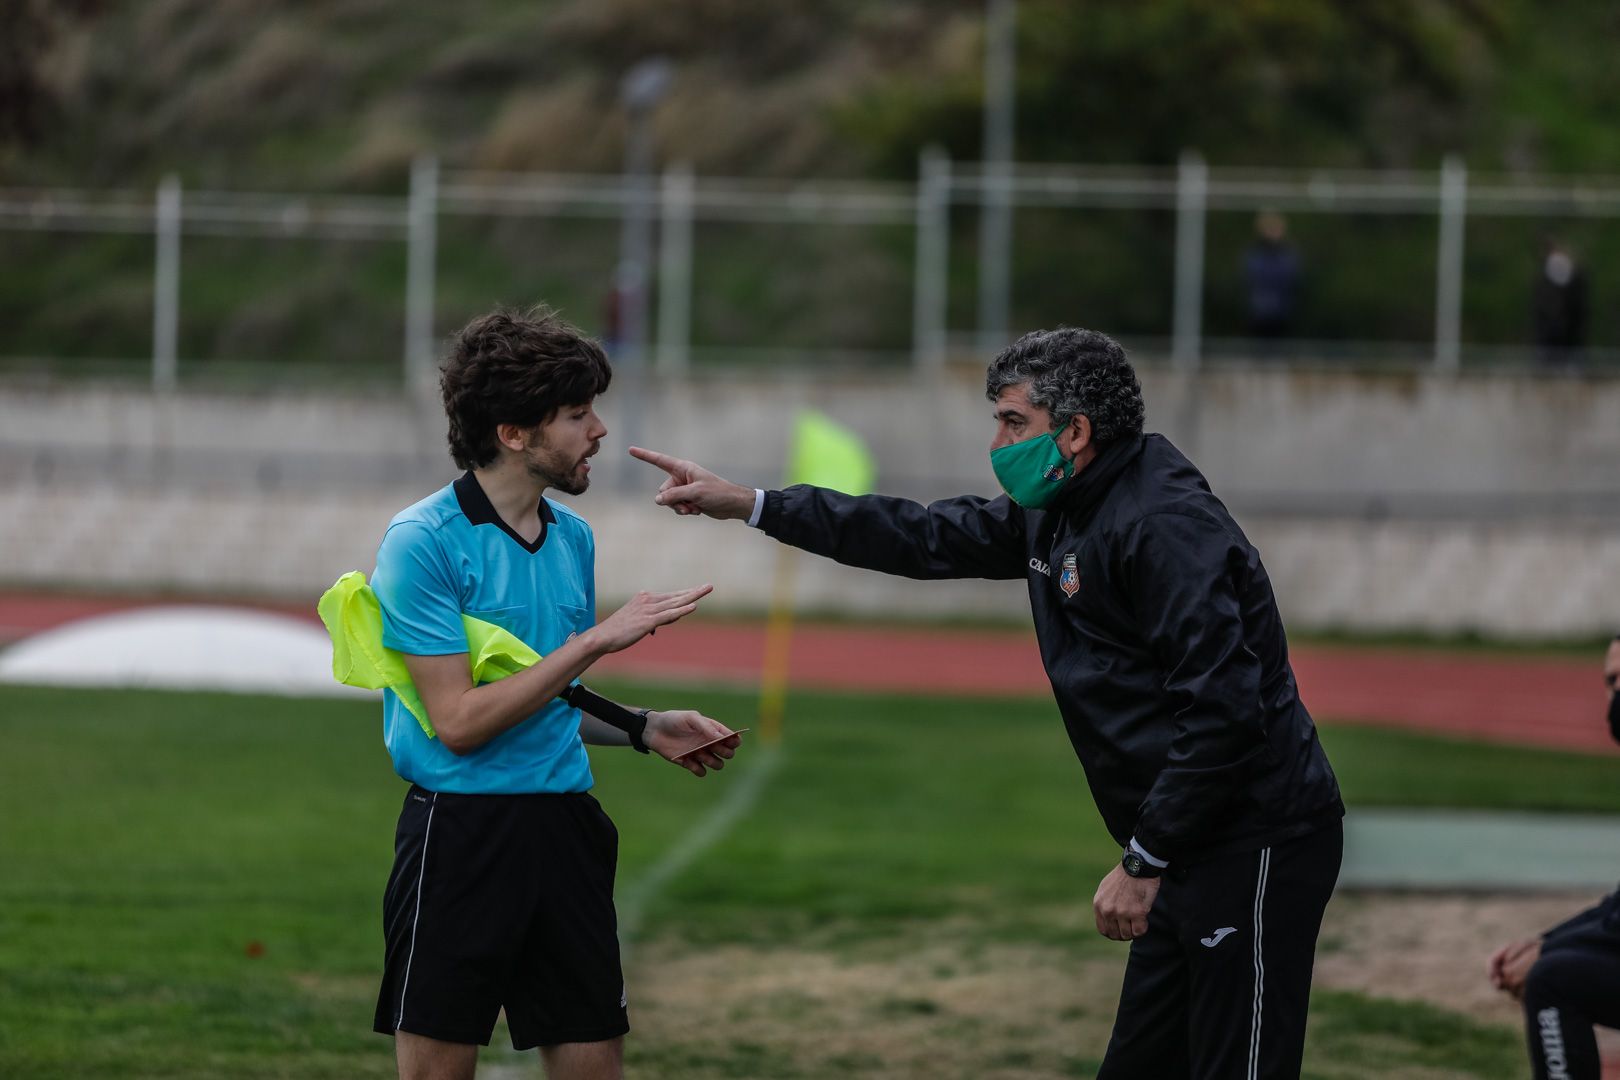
{"points": [[1138, 867]]}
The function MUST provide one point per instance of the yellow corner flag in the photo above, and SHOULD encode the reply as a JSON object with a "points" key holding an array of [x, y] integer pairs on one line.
{"points": [[824, 454], [827, 454]]}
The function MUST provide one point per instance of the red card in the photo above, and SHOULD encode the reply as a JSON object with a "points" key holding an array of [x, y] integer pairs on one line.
{"points": [[708, 743]]}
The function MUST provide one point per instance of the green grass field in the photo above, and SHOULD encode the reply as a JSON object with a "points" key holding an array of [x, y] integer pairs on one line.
{"points": [[912, 866]]}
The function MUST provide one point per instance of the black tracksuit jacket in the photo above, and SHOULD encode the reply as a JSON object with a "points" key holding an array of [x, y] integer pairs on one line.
{"points": [[1157, 627]]}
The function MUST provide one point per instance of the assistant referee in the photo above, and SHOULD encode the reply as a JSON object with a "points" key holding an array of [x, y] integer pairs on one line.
{"points": [[501, 895], [1161, 637]]}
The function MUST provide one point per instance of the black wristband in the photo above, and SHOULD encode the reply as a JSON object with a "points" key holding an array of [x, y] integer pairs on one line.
{"points": [[632, 722], [637, 730]]}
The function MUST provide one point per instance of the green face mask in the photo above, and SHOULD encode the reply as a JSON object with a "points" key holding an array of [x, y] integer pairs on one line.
{"points": [[1032, 471]]}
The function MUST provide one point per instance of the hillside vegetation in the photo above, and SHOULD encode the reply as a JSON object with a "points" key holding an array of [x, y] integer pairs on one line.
{"points": [[258, 95]]}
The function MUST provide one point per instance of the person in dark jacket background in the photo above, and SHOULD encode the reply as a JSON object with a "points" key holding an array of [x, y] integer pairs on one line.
{"points": [[1272, 273], [1161, 637], [1569, 977], [1558, 306]]}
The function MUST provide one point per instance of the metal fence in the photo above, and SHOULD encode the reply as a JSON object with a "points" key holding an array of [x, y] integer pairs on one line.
{"points": [[680, 200]]}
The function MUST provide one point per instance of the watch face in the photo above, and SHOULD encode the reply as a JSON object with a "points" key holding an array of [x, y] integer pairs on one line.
{"points": [[1132, 863]]}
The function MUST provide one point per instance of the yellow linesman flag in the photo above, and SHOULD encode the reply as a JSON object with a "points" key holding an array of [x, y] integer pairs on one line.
{"points": [[353, 618], [827, 454]]}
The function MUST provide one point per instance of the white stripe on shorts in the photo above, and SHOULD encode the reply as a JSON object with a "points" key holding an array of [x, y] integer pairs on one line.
{"points": [[427, 834]]}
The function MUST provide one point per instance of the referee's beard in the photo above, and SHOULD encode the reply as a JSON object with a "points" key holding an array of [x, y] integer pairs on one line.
{"points": [[554, 470]]}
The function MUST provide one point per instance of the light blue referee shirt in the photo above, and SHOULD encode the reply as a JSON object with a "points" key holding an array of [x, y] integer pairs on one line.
{"points": [[452, 554]]}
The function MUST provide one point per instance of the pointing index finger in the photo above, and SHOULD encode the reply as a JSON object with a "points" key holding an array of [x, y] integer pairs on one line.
{"points": [[653, 457]]}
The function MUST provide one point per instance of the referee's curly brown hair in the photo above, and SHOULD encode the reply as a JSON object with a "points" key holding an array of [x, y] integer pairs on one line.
{"points": [[515, 367]]}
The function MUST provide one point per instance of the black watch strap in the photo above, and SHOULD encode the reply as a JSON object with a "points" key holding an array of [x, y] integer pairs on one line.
{"points": [[1138, 867]]}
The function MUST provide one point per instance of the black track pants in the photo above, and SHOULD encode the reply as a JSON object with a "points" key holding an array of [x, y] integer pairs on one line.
{"points": [[1219, 986], [1575, 984]]}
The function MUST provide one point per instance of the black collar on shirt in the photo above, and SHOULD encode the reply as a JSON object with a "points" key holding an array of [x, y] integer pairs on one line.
{"points": [[480, 511]]}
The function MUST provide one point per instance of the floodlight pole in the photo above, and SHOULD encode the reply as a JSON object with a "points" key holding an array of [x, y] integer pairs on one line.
{"points": [[1448, 276], [930, 275], [421, 255], [1192, 196], [995, 217], [166, 286], [675, 207], [642, 88]]}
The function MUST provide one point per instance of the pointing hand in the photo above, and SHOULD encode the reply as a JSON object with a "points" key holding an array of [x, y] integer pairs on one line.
{"points": [[689, 488]]}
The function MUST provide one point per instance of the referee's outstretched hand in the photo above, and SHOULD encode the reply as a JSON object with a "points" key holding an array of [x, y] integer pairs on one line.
{"points": [[643, 615], [689, 488]]}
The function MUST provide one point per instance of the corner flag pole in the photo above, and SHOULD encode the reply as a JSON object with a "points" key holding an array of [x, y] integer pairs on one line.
{"points": [[823, 454], [778, 644]]}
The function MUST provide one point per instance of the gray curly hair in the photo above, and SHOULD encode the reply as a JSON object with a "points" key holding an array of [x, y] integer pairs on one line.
{"points": [[1073, 372]]}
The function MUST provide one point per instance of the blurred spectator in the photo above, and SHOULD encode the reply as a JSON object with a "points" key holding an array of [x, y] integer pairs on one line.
{"points": [[1271, 270], [618, 308], [1569, 977], [1558, 304]]}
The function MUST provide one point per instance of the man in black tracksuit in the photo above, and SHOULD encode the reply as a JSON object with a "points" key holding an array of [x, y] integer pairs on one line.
{"points": [[1569, 977], [1161, 638]]}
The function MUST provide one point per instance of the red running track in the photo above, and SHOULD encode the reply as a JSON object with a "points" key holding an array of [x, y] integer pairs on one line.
{"points": [[1500, 698], [1540, 702]]}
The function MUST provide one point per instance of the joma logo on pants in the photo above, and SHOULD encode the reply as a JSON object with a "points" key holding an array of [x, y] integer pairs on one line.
{"points": [[1552, 1044]]}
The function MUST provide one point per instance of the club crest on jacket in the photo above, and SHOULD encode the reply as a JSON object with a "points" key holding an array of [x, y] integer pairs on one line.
{"points": [[1069, 579]]}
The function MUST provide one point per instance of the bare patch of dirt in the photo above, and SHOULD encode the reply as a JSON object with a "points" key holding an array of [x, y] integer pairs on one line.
{"points": [[945, 1009], [948, 1004], [320, 984], [1432, 947]]}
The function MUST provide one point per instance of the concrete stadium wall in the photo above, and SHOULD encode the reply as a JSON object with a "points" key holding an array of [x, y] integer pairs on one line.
{"points": [[1388, 502]]}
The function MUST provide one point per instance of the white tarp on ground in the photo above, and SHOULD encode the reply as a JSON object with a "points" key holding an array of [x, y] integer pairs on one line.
{"points": [[180, 648]]}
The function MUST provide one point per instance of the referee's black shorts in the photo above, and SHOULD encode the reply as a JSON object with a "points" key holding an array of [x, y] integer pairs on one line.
{"points": [[502, 901]]}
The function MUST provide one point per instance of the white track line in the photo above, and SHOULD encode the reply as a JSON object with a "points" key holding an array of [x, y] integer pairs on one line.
{"points": [[708, 831]]}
